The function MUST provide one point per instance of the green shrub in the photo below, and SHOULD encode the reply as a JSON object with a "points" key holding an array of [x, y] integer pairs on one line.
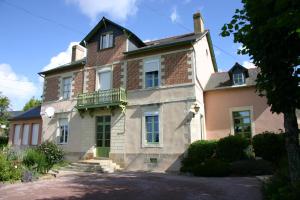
{"points": [[53, 153], [251, 167], [198, 152], [3, 141], [211, 168], [36, 160], [232, 148], [279, 186], [269, 146], [8, 170]]}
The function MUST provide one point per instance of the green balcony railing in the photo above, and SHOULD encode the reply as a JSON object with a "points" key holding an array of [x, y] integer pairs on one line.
{"points": [[102, 98]]}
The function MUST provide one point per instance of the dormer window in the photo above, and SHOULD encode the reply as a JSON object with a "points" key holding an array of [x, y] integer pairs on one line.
{"points": [[238, 78], [106, 40]]}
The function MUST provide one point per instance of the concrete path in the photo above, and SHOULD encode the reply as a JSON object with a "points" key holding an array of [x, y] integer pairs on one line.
{"points": [[141, 186]]}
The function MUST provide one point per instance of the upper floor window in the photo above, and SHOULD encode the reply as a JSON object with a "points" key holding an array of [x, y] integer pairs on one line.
{"points": [[151, 69], [106, 40], [238, 78], [66, 92]]}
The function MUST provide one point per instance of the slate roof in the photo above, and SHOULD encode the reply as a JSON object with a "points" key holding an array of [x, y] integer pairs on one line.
{"points": [[65, 66], [143, 46], [221, 80], [29, 114], [13, 114], [174, 41]]}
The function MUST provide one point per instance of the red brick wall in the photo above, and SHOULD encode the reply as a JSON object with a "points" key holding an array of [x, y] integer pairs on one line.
{"points": [[91, 80], [176, 68], [51, 88], [117, 76], [133, 75], [77, 83], [97, 57]]}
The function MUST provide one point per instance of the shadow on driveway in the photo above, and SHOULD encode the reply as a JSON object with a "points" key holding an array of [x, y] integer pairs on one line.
{"points": [[141, 186]]}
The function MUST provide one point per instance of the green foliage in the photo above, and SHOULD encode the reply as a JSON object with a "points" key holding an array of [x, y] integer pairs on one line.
{"points": [[8, 170], [251, 167], [53, 153], [269, 32], [198, 152], [3, 141], [32, 103], [232, 148], [269, 146], [36, 160], [4, 106], [211, 168], [279, 186]]}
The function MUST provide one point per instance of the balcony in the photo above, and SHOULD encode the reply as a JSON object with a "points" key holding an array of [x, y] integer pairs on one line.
{"points": [[102, 98]]}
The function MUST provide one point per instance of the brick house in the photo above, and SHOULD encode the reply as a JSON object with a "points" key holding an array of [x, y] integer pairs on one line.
{"points": [[141, 104]]}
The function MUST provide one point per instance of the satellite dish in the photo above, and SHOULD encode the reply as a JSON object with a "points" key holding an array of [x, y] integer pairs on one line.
{"points": [[49, 112]]}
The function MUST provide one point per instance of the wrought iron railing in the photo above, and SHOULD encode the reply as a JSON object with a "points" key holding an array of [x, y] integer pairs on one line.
{"points": [[102, 98]]}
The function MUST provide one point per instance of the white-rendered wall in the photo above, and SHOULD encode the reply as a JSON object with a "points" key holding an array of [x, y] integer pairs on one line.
{"points": [[130, 46], [204, 65]]}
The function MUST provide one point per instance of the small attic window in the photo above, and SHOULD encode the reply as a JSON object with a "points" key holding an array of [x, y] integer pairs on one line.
{"points": [[106, 40], [238, 78]]}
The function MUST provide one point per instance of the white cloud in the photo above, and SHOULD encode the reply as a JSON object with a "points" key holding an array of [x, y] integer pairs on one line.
{"points": [[174, 15], [18, 88], [61, 58], [248, 64], [116, 9]]}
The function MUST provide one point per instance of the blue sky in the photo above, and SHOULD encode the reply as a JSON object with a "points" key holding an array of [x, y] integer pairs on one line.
{"points": [[36, 34]]}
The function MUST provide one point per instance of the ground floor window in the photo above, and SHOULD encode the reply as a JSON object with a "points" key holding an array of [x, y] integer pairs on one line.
{"points": [[242, 123], [35, 134], [63, 131], [17, 134], [152, 128], [25, 134]]}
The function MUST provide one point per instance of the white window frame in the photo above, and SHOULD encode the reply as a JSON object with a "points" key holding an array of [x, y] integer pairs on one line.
{"points": [[149, 111], [145, 70], [238, 74], [107, 36], [63, 87], [237, 109], [103, 70], [59, 133]]}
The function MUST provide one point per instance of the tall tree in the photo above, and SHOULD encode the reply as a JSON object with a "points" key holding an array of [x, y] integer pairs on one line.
{"points": [[269, 31], [32, 103], [4, 107]]}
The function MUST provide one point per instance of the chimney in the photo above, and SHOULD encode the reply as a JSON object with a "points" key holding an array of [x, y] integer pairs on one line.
{"points": [[198, 23], [78, 52]]}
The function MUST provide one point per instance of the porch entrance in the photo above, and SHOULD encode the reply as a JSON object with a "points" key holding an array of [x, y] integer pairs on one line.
{"points": [[102, 136]]}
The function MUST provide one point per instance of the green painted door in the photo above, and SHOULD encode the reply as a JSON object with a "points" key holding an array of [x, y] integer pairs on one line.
{"points": [[102, 136]]}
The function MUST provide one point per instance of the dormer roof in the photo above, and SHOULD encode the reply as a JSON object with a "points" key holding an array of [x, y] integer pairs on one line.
{"points": [[223, 80], [104, 22]]}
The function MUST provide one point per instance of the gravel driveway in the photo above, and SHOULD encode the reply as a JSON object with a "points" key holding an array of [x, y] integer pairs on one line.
{"points": [[127, 185]]}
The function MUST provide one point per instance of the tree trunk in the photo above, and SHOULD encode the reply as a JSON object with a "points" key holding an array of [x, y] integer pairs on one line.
{"points": [[292, 144]]}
